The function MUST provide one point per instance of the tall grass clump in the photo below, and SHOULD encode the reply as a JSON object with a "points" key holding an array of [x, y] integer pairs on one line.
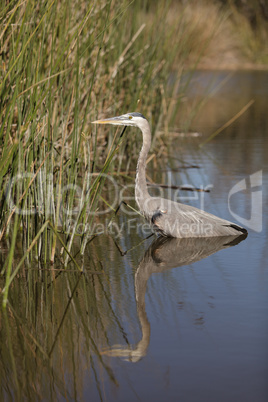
{"points": [[63, 64], [251, 22]]}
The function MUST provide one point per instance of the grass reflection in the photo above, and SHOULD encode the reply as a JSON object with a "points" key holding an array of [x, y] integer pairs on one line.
{"points": [[60, 327]]}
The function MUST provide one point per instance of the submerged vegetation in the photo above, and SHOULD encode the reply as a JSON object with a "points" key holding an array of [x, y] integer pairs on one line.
{"points": [[62, 65]]}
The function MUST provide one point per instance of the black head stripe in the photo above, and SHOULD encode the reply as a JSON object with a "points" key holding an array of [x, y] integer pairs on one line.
{"points": [[136, 114]]}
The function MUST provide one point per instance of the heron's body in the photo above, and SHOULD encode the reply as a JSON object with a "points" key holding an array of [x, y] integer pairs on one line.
{"points": [[167, 217]]}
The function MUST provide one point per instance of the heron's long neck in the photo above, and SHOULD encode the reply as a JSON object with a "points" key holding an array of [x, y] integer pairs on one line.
{"points": [[141, 191]]}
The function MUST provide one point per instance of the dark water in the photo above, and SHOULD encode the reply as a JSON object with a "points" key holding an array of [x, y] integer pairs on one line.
{"points": [[177, 320]]}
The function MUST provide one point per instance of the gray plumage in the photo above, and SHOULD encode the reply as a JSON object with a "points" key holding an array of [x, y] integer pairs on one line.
{"points": [[169, 218]]}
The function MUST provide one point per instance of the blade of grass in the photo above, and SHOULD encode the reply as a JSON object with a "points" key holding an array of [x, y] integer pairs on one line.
{"points": [[228, 123]]}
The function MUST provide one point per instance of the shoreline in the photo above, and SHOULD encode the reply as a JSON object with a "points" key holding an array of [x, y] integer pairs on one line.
{"points": [[232, 67]]}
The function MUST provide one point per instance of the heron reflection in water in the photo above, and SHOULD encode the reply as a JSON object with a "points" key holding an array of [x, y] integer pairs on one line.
{"points": [[164, 254], [169, 218]]}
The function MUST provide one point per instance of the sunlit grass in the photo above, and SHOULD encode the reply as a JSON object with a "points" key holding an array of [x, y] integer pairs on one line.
{"points": [[62, 66]]}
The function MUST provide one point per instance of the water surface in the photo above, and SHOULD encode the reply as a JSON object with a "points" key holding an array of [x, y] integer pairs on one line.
{"points": [[180, 320]]}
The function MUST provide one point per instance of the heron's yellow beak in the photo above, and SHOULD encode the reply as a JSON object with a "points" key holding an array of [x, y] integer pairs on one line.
{"points": [[124, 120], [100, 121], [116, 121]]}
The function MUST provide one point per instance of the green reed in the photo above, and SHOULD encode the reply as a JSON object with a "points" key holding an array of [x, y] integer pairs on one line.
{"points": [[63, 64]]}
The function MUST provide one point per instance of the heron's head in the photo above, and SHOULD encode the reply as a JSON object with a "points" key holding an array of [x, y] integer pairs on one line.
{"points": [[129, 119]]}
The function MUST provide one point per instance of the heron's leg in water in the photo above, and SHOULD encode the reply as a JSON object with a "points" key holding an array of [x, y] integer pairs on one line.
{"points": [[132, 248], [117, 209], [111, 222]]}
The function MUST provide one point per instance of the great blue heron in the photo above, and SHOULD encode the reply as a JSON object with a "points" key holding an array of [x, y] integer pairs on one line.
{"points": [[167, 217]]}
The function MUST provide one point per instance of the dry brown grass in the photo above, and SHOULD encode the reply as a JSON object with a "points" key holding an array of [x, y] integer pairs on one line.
{"points": [[220, 37]]}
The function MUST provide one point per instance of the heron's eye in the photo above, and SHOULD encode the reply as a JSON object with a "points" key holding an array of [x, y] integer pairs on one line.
{"points": [[130, 117]]}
